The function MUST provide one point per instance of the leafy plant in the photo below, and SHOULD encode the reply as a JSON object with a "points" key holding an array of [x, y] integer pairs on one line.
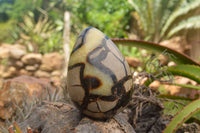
{"points": [[189, 71], [157, 20], [185, 67], [109, 16], [176, 56], [183, 116], [6, 31], [130, 51], [41, 36], [16, 9]]}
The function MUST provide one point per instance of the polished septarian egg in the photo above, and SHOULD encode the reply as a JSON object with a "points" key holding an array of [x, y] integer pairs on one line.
{"points": [[99, 80]]}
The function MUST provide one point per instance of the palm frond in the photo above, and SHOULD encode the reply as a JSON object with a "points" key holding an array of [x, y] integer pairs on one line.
{"points": [[180, 12], [191, 23], [140, 6], [28, 23], [159, 16], [38, 27]]}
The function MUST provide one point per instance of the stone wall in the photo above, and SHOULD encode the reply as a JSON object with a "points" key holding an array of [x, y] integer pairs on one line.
{"points": [[15, 61]]}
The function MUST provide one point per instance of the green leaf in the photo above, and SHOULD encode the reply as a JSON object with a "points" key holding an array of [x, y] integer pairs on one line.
{"points": [[181, 11], [174, 97], [173, 54], [188, 86], [18, 130], [189, 71], [182, 116], [191, 23]]}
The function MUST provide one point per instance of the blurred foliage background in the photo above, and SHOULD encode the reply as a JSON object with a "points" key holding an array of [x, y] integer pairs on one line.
{"points": [[38, 24]]}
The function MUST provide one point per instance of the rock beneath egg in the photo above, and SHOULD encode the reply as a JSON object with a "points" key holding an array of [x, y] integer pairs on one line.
{"points": [[57, 117], [99, 78]]}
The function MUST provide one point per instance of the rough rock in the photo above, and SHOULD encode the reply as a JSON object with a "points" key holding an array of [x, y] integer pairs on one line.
{"points": [[180, 91], [42, 74], [178, 43], [56, 117], [134, 62], [16, 90], [155, 85], [4, 51], [1, 82], [7, 72], [56, 73], [13, 62], [17, 51], [172, 89], [115, 125], [32, 58], [25, 72], [52, 61], [32, 68], [56, 81], [18, 64], [163, 59]]}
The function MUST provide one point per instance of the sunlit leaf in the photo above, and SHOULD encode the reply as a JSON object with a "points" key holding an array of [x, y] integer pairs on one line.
{"points": [[18, 130], [191, 23], [176, 56], [182, 116], [196, 87], [181, 11], [189, 71]]}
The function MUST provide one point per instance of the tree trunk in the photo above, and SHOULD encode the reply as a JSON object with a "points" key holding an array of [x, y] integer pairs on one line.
{"points": [[66, 41]]}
